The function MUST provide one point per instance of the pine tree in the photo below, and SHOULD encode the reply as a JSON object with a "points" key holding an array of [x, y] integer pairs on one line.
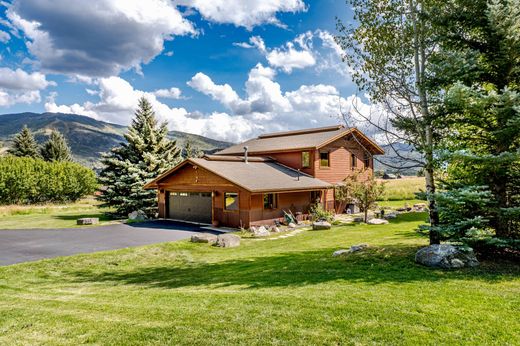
{"points": [[24, 144], [146, 154], [56, 148], [190, 151]]}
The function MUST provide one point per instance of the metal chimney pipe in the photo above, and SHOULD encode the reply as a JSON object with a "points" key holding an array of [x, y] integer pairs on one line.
{"points": [[245, 154]]}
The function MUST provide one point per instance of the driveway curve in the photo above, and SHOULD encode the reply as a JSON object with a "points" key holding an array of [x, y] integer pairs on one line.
{"points": [[18, 246]]}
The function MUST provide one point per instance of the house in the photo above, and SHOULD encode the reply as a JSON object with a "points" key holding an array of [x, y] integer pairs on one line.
{"points": [[252, 183]]}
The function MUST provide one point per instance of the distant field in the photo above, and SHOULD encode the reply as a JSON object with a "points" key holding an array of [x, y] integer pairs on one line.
{"points": [[403, 189], [51, 215]]}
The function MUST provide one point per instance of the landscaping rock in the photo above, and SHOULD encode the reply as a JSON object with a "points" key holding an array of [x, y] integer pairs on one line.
{"points": [[390, 216], [340, 252], [228, 240], [446, 256], [358, 247], [321, 225], [292, 225], [259, 231], [275, 229], [204, 238], [359, 219], [88, 221], [377, 222], [137, 216]]}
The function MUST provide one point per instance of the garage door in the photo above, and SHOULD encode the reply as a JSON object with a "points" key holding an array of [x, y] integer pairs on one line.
{"points": [[190, 206]]}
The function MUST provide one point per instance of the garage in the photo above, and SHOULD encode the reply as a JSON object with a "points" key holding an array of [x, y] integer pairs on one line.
{"points": [[190, 206]]}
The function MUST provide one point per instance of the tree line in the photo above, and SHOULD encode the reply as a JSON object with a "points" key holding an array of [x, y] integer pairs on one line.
{"points": [[445, 78]]}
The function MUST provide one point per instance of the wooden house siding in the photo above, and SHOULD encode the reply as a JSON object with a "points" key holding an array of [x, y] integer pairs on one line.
{"points": [[294, 160]]}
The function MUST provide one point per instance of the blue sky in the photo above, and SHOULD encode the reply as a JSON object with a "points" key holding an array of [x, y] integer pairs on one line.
{"points": [[224, 69]]}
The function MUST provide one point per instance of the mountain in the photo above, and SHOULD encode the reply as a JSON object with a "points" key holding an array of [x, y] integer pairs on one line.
{"points": [[87, 137]]}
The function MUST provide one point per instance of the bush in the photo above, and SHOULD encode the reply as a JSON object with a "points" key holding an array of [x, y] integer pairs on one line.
{"points": [[25, 180], [319, 213]]}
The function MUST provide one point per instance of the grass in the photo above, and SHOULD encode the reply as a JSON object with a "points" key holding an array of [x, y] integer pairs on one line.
{"points": [[51, 215], [403, 189], [284, 292], [399, 203]]}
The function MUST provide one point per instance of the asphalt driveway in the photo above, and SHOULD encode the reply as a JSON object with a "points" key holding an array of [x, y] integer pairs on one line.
{"points": [[29, 245]]}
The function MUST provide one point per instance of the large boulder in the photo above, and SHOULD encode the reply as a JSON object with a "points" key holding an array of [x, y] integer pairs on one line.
{"points": [[137, 216], [377, 221], [274, 229], [321, 225], [228, 240], [204, 238], [259, 231], [340, 252], [291, 225], [446, 256], [88, 221]]}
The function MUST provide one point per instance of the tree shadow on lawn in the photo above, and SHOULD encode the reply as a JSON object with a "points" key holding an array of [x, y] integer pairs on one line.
{"points": [[70, 217], [389, 264]]}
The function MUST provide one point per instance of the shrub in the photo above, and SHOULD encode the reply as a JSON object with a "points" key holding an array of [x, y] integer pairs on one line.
{"points": [[319, 213], [25, 180]]}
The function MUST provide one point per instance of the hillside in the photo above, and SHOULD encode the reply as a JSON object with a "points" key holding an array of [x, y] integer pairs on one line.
{"points": [[87, 137]]}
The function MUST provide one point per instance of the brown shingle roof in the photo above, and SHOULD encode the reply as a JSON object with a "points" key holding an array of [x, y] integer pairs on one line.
{"points": [[259, 175], [298, 140]]}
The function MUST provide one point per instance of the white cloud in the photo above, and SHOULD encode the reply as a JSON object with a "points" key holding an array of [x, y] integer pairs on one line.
{"points": [[172, 93], [310, 49], [290, 58], [20, 80], [222, 93], [246, 13], [118, 101], [98, 39], [18, 86], [4, 37]]}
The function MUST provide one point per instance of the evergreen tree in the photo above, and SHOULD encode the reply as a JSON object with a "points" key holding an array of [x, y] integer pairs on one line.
{"points": [[56, 148], [190, 151], [146, 154], [24, 144], [482, 107]]}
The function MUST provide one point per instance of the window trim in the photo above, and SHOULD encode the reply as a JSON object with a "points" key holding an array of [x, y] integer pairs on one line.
{"points": [[328, 159], [275, 201], [309, 159], [367, 161], [238, 202], [353, 161]]}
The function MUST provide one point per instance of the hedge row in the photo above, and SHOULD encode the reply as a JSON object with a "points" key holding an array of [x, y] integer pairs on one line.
{"points": [[25, 180]]}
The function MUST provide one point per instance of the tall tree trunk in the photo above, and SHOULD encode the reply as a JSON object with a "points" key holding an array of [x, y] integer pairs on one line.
{"points": [[430, 189]]}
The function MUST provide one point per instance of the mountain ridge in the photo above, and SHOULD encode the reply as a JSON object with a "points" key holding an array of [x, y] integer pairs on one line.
{"points": [[87, 137]]}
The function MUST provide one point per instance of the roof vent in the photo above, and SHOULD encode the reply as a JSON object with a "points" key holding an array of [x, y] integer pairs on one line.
{"points": [[245, 154]]}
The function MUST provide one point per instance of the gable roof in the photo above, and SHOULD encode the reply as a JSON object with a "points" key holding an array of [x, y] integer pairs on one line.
{"points": [[308, 139], [258, 175]]}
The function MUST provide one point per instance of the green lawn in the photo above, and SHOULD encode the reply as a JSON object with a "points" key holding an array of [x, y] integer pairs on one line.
{"points": [[51, 215], [404, 188], [284, 292]]}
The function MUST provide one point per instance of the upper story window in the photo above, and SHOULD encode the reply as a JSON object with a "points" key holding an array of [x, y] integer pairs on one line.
{"points": [[367, 160], [306, 159], [231, 201], [270, 201], [353, 161], [324, 159]]}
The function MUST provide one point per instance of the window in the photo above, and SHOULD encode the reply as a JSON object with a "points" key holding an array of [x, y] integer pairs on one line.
{"points": [[306, 159], [231, 201], [353, 161], [270, 201], [367, 160], [324, 159], [315, 197]]}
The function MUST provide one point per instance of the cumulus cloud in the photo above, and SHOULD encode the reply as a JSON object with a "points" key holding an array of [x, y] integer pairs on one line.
{"points": [[100, 39], [18, 86], [316, 49], [265, 103], [4, 37], [118, 101], [244, 13], [172, 93]]}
